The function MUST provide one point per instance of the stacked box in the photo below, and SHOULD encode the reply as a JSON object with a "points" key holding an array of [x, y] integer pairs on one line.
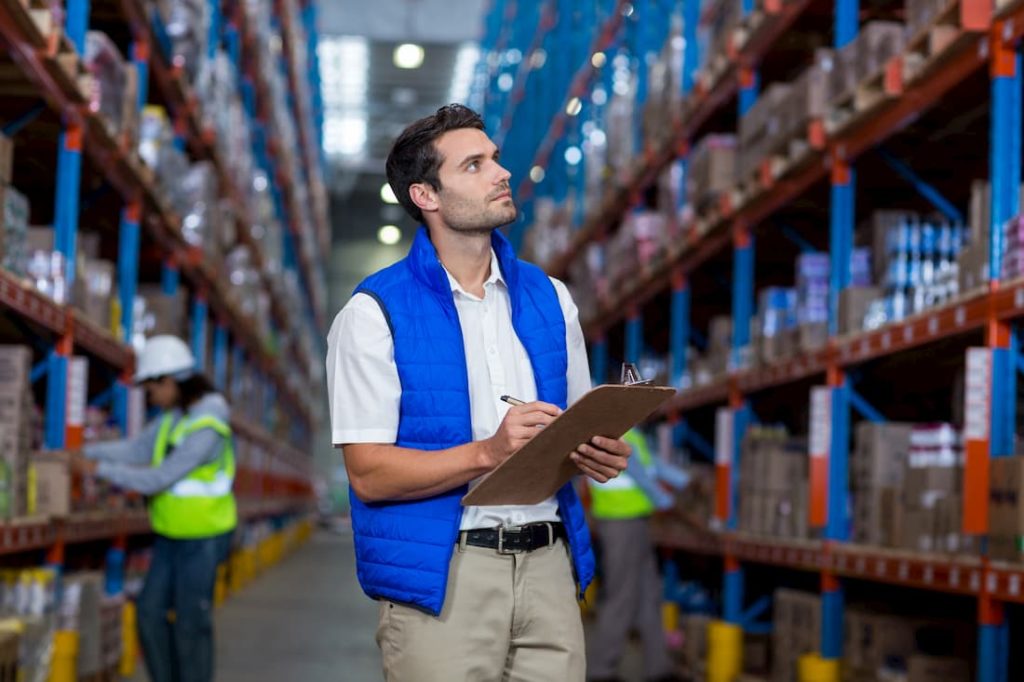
{"points": [[1006, 509], [937, 669], [854, 305], [864, 57], [776, 316], [773, 491], [812, 291], [10, 643], [877, 467], [796, 631], [719, 344], [111, 636], [94, 290], [718, 22], [712, 169], [695, 640], [53, 484], [16, 428], [1013, 248], [162, 313], [80, 611], [107, 86], [920, 13], [808, 96], [931, 502], [916, 261], [874, 640], [641, 236], [763, 130], [13, 253]]}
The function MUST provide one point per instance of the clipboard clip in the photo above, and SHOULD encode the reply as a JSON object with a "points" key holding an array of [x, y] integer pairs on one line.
{"points": [[631, 376]]}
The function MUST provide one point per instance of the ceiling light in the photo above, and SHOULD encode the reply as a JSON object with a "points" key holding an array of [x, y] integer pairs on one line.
{"points": [[387, 195], [598, 60], [389, 235], [600, 97], [408, 56], [573, 155], [678, 42], [598, 138], [538, 59], [574, 106], [505, 82], [537, 174]]}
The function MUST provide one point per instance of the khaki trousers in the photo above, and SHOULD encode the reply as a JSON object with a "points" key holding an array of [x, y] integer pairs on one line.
{"points": [[506, 618]]}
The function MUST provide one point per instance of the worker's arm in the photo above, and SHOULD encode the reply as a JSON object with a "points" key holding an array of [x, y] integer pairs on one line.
{"points": [[381, 472], [137, 450], [669, 473], [658, 497], [196, 449]]}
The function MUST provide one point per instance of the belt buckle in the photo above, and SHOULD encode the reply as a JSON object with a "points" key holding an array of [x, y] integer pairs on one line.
{"points": [[501, 538]]}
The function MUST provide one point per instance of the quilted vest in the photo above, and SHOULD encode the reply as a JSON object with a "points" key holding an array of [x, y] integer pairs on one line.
{"points": [[403, 549]]}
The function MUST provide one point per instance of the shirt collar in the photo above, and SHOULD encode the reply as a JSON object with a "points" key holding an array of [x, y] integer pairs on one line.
{"points": [[494, 277]]}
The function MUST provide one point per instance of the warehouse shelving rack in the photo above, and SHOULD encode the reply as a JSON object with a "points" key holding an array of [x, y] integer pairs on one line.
{"points": [[987, 37], [34, 69]]}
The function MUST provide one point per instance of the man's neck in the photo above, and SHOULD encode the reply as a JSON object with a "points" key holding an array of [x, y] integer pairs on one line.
{"points": [[467, 257]]}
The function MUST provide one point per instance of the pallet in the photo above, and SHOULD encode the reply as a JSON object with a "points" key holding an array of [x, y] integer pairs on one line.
{"points": [[956, 23], [870, 94]]}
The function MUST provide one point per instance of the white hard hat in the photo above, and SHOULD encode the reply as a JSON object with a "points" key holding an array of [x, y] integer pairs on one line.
{"points": [[162, 356]]}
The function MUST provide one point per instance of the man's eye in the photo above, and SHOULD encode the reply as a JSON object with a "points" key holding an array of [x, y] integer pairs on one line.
{"points": [[473, 166]]}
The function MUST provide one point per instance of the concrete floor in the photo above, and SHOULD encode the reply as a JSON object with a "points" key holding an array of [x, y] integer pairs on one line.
{"points": [[307, 620]]}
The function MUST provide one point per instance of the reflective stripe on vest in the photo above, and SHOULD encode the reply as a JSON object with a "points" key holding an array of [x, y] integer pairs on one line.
{"points": [[200, 504], [621, 497]]}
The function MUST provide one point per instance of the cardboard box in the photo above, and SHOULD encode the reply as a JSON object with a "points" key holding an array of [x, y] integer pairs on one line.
{"points": [[53, 484], [712, 169], [924, 486], [695, 638], [6, 160], [813, 336], [880, 454], [853, 307], [937, 669]]}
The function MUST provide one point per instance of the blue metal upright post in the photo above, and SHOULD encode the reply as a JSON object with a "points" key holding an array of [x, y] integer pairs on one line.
{"points": [[679, 327], [65, 217], [170, 277], [847, 21], [599, 361], [127, 282], [200, 313], [742, 293], [691, 52], [220, 356], [634, 336], [1005, 176]]}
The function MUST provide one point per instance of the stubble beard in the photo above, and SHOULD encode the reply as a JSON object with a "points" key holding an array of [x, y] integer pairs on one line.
{"points": [[465, 219]]}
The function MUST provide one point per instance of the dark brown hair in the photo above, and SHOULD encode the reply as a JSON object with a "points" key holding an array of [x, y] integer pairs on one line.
{"points": [[414, 158], [192, 390]]}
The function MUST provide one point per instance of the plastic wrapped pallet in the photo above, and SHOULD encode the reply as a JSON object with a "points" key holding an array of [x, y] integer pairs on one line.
{"points": [[108, 84], [796, 631], [809, 95], [712, 169], [865, 57], [762, 130]]}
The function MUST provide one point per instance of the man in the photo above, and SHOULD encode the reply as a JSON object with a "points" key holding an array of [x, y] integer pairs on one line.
{"points": [[622, 509], [417, 362]]}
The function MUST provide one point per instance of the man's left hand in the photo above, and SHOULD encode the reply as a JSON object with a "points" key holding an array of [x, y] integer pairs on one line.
{"points": [[602, 459]]}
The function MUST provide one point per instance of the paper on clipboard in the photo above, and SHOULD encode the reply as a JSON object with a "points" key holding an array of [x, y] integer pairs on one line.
{"points": [[537, 470]]}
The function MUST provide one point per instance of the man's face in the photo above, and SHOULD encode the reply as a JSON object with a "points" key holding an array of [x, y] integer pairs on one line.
{"points": [[475, 194]]}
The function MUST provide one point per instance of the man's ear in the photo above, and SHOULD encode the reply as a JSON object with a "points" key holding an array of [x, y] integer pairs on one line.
{"points": [[424, 196]]}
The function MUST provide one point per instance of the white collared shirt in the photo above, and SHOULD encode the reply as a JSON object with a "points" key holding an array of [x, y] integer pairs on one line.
{"points": [[365, 392]]}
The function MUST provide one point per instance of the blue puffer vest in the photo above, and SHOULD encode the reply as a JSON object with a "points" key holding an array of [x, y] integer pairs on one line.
{"points": [[403, 548]]}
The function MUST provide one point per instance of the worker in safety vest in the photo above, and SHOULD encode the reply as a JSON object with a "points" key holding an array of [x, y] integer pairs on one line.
{"points": [[631, 588], [184, 461]]}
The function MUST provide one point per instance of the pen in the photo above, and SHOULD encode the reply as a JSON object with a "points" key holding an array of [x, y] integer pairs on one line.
{"points": [[512, 401]]}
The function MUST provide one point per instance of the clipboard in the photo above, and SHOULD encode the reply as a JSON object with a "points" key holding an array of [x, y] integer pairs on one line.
{"points": [[536, 471]]}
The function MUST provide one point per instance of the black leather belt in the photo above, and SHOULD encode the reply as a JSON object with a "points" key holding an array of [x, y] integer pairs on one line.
{"points": [[515, 538]]}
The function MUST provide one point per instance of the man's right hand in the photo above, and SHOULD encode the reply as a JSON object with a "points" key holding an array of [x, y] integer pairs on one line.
{"points": [[520, 425]]}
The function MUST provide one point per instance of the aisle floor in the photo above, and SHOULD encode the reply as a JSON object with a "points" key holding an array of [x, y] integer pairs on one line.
{"points": [[307, 620]]}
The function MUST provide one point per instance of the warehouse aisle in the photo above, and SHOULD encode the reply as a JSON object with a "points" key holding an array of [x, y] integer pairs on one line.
{"points": [[305, 620]]}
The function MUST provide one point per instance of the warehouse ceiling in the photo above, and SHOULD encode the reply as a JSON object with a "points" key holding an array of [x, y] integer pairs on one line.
{"points": [[367, 102]]}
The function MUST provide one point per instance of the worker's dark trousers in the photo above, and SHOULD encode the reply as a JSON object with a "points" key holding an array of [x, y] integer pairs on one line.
{"points": [[181, 579], [630, 600]]}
